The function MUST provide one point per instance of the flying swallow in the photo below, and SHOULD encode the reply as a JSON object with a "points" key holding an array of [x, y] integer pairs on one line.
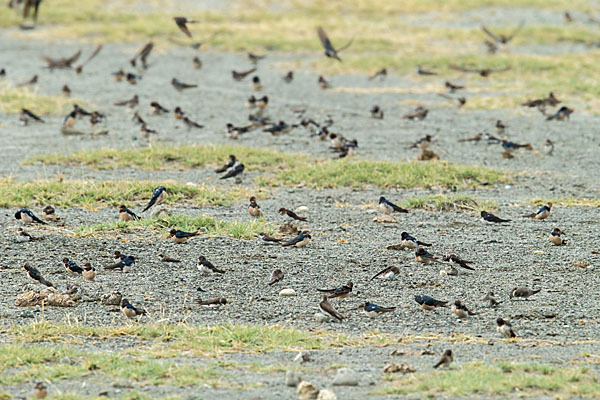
{"points": [[505, 328], [180, 86], [561, 114], [254, 208], [40, 391], [419, 113], [124, 264], [239, 75], [72, 267], [213, 303], [542, 213], [523, 292], [35, 275], [236, 170], [291, 214], [255, 58], [191, 124], [453, 87], [446, 359], [373, 310], [489, 217], [502, 39], [232, 160], [456, 259], [178, 113], [96, 118], [489, 300], [158, 195], [256, 85], [341, 292], [89, 273], [461, 310], [157, 108], [323, 84], [182, 25], [129, 310], [388, 273], [429, 303], [49, 214], [276, 276], [484, 72], [555, 237], [28, 217], [167, 259], [180, 236], [126, 214], [388, 207], [129, 103], [461, 101], [328, 310], [206, 267], [424, 72], [330, 51], [267, 239], [425, 257], [27, 115], [289, 77], [411, 242], [550, 100], [299, 241], [376, 112]]}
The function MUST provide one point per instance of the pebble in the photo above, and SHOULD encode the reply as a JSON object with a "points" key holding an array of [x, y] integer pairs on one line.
{"points": [[301, 209], [345, 377], [292, 378], [302, 357], [326, 394], [320, 317], [287, 292], [306, 391]]}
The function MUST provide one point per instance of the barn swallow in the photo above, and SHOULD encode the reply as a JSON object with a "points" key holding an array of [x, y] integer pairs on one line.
{"points": [[72, 267], [118, 75], [180, 86], [206, 267], [489, 217], [96, 118], [555, 237], [178, 113], [146, 132], [251, 102], [388, 273], [429, 303], [229, 164], [157, 108], [268, 239], [461, 101], [254, 208], [40, 391], [568, 18], [234, 132], [509, 147], [276, 276], [126, 214], [70, 119], [89, 273], [256, 85], [197, 63], [66, 91], [142, 55], [425, 257], [263, 102], [424, 72], [502, 39], [258, 121], [475, 138], [453, 87], [289, 77], [236, 170], [446, 359], [542, 213], [376, 112], [299, 241], [461, 310], [523, 292], [411, 242], [213, 303], [341, 292], [167, 259], [255, 58], [28, 217], [561, 114], [291, 214], [49, 214], [2, 72], [500, 127], [419, 113], [422, 143], [328, 310], [22, 236], [549, 147], [129, 310], [129, 103], [35, 275], [279, 128], [30, 82], [489, 300], [191, 124], [27, 116], [182, 25], [330, 51], [382, 73], [180, 236], [373, 310], [456, 259], [124, 263], [323, 84], [505, 328], [132, 78], [239, 75], [158, 195], [388, 207], [484, 72]]}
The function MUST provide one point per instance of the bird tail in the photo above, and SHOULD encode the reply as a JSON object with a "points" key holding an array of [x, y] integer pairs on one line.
{"points": [[45, 282]]}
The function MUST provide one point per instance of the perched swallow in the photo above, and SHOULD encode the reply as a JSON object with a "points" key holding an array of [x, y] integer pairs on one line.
{"points": [[234, 132], [388, 207], [388, 273], [429, 303], [251, 102], [340, 292], [289, 77], [66, 91], [124, 263], [27, 116], [126, 214], [561, 114], [291, 214], [257, 121], [254, 208], [453, 87], [49, 214], [425, 257], [96, 118], [35, 275], [505, 328], [422, 71], [236, 170], [330, 51], [167, 259], [118, 256], [489, 217], [373, 310], [142, 55], [129, 103], [32, 81], [25, 215], [213, 303], [276, 276], [484, 72], [132, 78], [299, 241], [182, 25], [229, 164], [239, 75], [523, 292], [180, 86], [550, 100], [72, 267], [489, 300], [256, 85], [382, 73], [475, 138], [255, 58], [89, 273], [158, 195], [555, 237], [461, 310], [22, 236], [206, 267], [328, 310], [118, 75], [279, 128], [446, 359], [509, 147], [411, 242], [191, 124], [267, 239], [376, 112], [500, 127], [456, 259], [542, 213], [138, 119], [157, 108], [70, 119], [178, 113], [323, 84], [263, 102], [129, 310], [420, 113], [549, 147], [180, 236], [197, 63], [502, 39]]}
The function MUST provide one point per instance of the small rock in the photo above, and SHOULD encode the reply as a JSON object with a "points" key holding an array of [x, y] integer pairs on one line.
{"points": [[111, 299], [413, 396], [292, 379], [345, 377], [320, 317], [65, 360], [392, 368], [306, 391], [302, 357], [27, 314], [301, 209], [326, 394], [160, 210], [385, 218], [371, 211], [191, 184], [287, 292]]}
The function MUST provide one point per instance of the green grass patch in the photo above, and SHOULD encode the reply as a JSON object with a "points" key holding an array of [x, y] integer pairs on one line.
{"points": [[440, 202], [501, 379], [12, 100]]}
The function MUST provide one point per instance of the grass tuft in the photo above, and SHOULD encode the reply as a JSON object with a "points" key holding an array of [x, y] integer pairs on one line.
{"points": [[567, 202], [440, 202]]}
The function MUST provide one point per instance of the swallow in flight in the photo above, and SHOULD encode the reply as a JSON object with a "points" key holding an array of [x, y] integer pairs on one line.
{"points": [[330, 51]]}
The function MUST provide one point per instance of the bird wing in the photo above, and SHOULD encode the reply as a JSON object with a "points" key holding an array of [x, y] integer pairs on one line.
{"points": [[490, 34], [324, 39], [514, 33], [183, 27], [73, 58], [94, 54]]}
